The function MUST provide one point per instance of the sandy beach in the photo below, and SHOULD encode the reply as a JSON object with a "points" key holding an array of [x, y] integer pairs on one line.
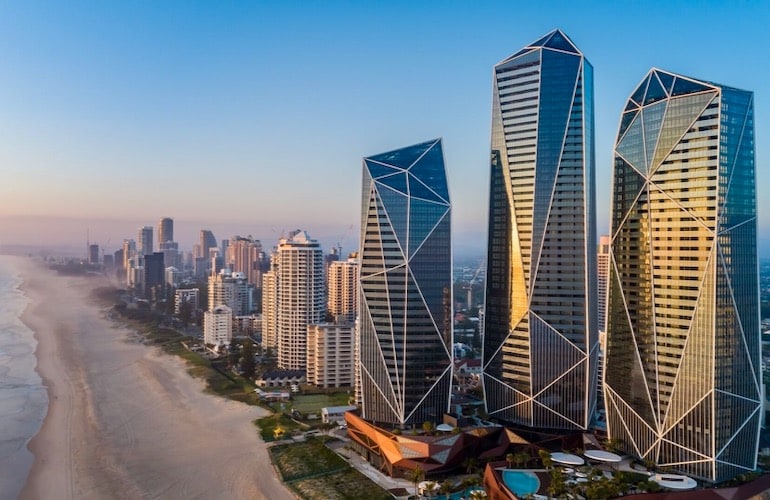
{"points": [[125, 421]]}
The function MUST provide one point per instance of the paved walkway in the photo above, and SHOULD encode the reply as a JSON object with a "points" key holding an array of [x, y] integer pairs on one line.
{"points": [[358, 462]]}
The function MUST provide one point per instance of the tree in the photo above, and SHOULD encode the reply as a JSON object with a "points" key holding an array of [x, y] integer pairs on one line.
{"points": [[446, 488], [471, 465], [509, 457], [233, 353], [427, 426], [558, 486], [612, 444], [545, 457], [521, 458], [247, 359], [415, 476]]}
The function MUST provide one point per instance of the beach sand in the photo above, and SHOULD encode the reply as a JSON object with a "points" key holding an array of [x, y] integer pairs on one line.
{"points": [[125, 421]]}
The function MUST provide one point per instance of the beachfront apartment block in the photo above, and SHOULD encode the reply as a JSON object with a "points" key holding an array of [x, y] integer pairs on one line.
{"points": [[330, 354], [218, 326]]}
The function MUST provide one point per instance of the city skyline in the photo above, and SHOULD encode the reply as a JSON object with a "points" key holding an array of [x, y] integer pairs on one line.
{"points": [[100, 100]]}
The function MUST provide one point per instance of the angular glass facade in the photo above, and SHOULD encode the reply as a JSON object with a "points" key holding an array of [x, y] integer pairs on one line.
{"points": [[682, 376], [540, 337], [405, 319]]}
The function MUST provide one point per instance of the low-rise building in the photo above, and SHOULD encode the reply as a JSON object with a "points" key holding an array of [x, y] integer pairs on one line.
{"points": [[330, 354]]}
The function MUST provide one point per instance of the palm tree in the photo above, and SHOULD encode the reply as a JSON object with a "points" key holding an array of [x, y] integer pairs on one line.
{"points": [[468, 482], [415, 476], [509, 458], [430, 488], [446, 488], [521, 458], [545, 457]]}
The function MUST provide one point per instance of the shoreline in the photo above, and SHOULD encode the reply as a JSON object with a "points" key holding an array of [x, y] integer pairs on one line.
{"points": [[121, 414]]}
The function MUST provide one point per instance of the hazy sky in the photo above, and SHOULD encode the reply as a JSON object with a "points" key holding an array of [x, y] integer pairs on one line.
{"points": [[253, 117]]}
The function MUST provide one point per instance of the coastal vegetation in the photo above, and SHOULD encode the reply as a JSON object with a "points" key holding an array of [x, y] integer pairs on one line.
{"points": [[313, 471]]}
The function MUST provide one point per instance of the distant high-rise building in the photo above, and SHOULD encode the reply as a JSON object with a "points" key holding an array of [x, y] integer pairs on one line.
{"points": [[232, 290], [300, 301], [540, 337], [165, 231], [173, 277], [405, 317], [154, 275], [118, 260], [170, 250], [93, 254], [683, 381], [270, 311], [603, 275], [144, 241], [202, 254], [129, 252], [207, 242], [243, 255], [188, 295], [218, 326], [332, 256], [342, 282]]}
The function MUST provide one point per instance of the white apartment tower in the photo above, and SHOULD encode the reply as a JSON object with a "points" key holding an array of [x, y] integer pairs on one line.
{"points": [[270, 311], [343, 290], [300, 301]]}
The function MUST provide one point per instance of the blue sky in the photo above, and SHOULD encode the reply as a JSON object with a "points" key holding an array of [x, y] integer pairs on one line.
{"points": [[253, 117]]}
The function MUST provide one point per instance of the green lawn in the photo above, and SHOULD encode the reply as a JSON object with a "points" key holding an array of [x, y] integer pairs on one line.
{"points": [[312, 403], [268, 424]]}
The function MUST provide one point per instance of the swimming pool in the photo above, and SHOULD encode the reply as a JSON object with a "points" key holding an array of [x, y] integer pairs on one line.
{"points": [[521, 483]]}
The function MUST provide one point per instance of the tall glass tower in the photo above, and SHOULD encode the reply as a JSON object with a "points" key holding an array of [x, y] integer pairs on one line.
{"points": [[405, 318], [540, 338], [682, 379]]}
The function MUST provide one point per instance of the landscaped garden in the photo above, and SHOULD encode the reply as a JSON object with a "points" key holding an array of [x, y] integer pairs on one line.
{"points": [[314, 471], [277, 426]]}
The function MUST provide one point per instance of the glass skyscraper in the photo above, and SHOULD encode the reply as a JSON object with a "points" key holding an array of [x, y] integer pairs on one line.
{"points": [[405, 318], [683, 379], [540, 334]]}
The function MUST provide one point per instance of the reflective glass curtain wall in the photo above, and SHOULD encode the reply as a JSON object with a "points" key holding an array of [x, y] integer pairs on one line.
{"points": [[683, 379], [405, 319], [540, 336]]}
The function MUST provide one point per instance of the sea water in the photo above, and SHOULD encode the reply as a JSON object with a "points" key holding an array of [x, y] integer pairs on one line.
{"points": [[23, 398]]}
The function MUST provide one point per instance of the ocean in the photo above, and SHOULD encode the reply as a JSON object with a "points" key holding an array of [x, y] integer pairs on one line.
{"points": [[23, 398]]}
